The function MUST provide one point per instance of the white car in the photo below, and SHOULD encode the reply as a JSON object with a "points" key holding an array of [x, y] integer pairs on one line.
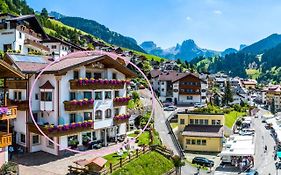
{"points": [[170, 108], [199, 105]]}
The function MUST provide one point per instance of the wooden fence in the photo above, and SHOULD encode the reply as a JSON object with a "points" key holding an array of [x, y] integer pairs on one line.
{"points": [[122, 161]]}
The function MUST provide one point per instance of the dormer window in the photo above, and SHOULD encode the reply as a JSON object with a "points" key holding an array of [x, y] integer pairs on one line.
{"points": [[46, 97]]}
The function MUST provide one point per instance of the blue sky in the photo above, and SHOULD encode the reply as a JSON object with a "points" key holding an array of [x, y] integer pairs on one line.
{"points": [[213, 24]]}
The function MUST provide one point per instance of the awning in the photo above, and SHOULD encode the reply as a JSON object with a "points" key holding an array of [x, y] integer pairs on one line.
{"points": [[8, 71]]}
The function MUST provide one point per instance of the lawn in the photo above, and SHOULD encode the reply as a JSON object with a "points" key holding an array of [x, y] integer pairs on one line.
{"points": [[151, 163], [143, 138], [231, 118]]}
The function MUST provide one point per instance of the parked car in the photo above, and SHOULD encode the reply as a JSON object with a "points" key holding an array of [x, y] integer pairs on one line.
{"points": [[170, 108], [199, 105], [202, 161]]}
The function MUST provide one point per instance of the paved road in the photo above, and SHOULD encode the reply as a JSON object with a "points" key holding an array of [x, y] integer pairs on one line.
{"points": [[160, 118], [264, 162]]}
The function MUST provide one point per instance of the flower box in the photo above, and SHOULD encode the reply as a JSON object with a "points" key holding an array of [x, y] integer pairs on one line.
{"points": [[98, 84], [121, 101], [78, 105], [122, 118]]}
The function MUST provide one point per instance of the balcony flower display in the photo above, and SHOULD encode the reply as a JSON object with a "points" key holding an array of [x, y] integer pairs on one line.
{"points": [[67, 127], [121, 99], [3, 110], [122, 117], [86, 81], [82, 102]]}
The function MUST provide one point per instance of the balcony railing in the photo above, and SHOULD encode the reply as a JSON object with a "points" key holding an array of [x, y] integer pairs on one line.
{"points": [[79, 105], [121, 101], [8, 113], [62, 130], [29, 31], [119, 119], [97, 84], [5, 139], [36, 45], [3, 26], [16, 84], [22, 105]]}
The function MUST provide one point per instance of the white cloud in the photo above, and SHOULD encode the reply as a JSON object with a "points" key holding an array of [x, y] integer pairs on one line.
{"points": [[217, 12], [188, 18]]}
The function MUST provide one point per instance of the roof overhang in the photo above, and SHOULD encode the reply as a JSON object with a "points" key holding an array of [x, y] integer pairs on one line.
{"points": [[8, 71]]}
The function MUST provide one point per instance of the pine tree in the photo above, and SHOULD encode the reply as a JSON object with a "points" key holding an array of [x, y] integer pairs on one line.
{"points": [[228, 96], [44, 13]]}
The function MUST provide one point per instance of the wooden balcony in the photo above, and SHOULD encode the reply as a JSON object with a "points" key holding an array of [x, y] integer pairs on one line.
{"points": [[36, 45], [57, 131], [123, 118], [21, 105], [10, 114], [81, 85], [16, 84], [77, 106], [118, 122], [5, 139], [28, 31], [123, 101]]}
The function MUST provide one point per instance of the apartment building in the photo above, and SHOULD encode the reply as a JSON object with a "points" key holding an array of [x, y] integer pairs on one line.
{"points": [[180, 88], [201, 132], [273, 92], [22, 34], [79, 100]]}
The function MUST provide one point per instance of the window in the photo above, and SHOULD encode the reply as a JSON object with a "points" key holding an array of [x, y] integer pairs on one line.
{"points": [[20, 35], [97, 75], [72, 140], [75, 74], [193, 142], [98, 96], [88, 75], [189, 97], [116, 111], [108, 113], [196, 121], [204, 142], [98, 115], [188, 141], [94, 135], [116, 94], [198, 142], [87, 116], [114, 76], [162, 90], [72, 118], [22, 138], [35, 116], [182, 121], [88, 95], [107, 95], [216, 122], [36, 96], [20, 47], [206, 122], [49, 143], [46, 96], [17, 95], [54, 46], [72, 95], [191, 122], [35, 139], [7, 47]]}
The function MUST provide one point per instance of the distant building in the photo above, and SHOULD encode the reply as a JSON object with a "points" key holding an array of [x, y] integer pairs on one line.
{"points": [[201, 132], [249, 84], [274, 92]]}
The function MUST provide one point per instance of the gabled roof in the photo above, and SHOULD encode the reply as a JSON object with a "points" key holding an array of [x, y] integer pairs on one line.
{"points": [[171, 76], [155, 73], [47, 85], [55, 39], [8, 71], [32, 20]]}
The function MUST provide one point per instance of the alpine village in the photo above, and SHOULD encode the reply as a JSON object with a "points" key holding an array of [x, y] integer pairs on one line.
{"points": [[73, 101]]}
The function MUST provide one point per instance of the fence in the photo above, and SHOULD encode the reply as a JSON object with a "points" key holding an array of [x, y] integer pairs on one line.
{"points": [[122, 161]]}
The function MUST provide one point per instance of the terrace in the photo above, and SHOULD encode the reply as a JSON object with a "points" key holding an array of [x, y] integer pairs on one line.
{"points": [[22, 105], [5, 139], [36, 45]]}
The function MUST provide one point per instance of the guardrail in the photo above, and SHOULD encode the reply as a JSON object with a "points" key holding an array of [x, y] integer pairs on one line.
{"points": [[174, 138]]}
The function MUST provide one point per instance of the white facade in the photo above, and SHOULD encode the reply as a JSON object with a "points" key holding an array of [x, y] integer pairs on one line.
{"points": [[57, 49], [52, 113]]}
